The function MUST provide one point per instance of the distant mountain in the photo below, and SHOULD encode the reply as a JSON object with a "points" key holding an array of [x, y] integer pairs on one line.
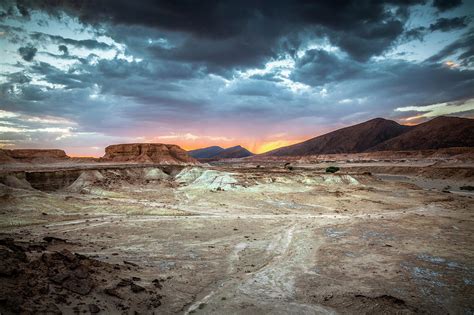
{"points": [[233, 153], [205, 153], [440, 132], [217, 153], [353, 139]]}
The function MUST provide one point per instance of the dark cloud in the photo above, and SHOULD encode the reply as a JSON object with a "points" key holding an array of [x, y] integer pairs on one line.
{"points": [[84, 43], [369, 41], [63, 49], [256, 88], [422, 83], [446, 24], [383, 85], [27, 52], [12, 9], [248, 29], [319, 67], [463, 46], [444, 5], [69, 79], [417, 33], [23, 11], [441, 24]]}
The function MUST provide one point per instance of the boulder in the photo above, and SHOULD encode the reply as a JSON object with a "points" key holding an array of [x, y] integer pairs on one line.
{"points": [[148, 153]]}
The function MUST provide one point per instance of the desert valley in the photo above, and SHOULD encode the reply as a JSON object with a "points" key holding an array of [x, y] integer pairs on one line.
{"points": [[147, 228], [286, 157]]}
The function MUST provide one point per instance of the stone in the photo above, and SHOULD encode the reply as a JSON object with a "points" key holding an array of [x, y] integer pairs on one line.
{"points": [[94, 308], [136, 288]]}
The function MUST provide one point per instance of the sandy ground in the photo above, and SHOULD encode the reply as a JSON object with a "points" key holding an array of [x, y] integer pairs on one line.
{"points": [[237, 239]]}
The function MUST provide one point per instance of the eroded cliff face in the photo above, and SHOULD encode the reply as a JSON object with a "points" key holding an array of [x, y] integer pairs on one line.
{"points": [[32, 155], [148, 153]]}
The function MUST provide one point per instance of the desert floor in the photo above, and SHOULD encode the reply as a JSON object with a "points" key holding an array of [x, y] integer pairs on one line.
{"points": [[237, 239]]}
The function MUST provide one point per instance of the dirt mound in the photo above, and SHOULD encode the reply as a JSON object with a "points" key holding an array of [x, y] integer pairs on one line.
{"points": [[148, 153], [188, 175], [15, 182], [198, 178], [36, 280], [85, 180], [154, 174], [88, 180], [340, 179]]}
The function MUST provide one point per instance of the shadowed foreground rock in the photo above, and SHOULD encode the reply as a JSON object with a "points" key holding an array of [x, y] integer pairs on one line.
{"points": [[38, 280], [148, 153]]}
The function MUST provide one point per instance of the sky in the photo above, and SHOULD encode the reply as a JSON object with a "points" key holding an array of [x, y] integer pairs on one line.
{"points": [[81, 75]]}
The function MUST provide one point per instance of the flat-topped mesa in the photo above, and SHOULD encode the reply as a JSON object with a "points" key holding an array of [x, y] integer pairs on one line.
{"points": [[158, 153], [27, 155]]}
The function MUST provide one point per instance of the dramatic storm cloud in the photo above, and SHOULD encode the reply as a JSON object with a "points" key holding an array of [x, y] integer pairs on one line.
{"points": [[79, 75]]}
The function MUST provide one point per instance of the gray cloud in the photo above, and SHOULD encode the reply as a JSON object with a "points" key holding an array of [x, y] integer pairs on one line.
{"points": [[463, 46], [27, 52], [441, 25], [446, 24], [84, 43], [217, 29], [318, 67], [444, 5], [63, 49]]}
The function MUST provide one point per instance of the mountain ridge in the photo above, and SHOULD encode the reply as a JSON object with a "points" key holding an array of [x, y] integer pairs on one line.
{"points": [[351, 139], [205, 153], [381, 134]]}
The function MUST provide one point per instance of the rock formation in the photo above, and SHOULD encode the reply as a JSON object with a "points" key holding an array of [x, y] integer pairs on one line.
{"points": [[32, 155], [148, 153]]}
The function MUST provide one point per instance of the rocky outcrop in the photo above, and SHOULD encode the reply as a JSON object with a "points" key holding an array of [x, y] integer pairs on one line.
{"points": [[31, 155], [148, 153]]}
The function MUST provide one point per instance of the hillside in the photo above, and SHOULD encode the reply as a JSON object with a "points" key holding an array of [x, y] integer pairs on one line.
{"points": [[440, 132], [233, 153], [205, 153], [353, 139]]}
